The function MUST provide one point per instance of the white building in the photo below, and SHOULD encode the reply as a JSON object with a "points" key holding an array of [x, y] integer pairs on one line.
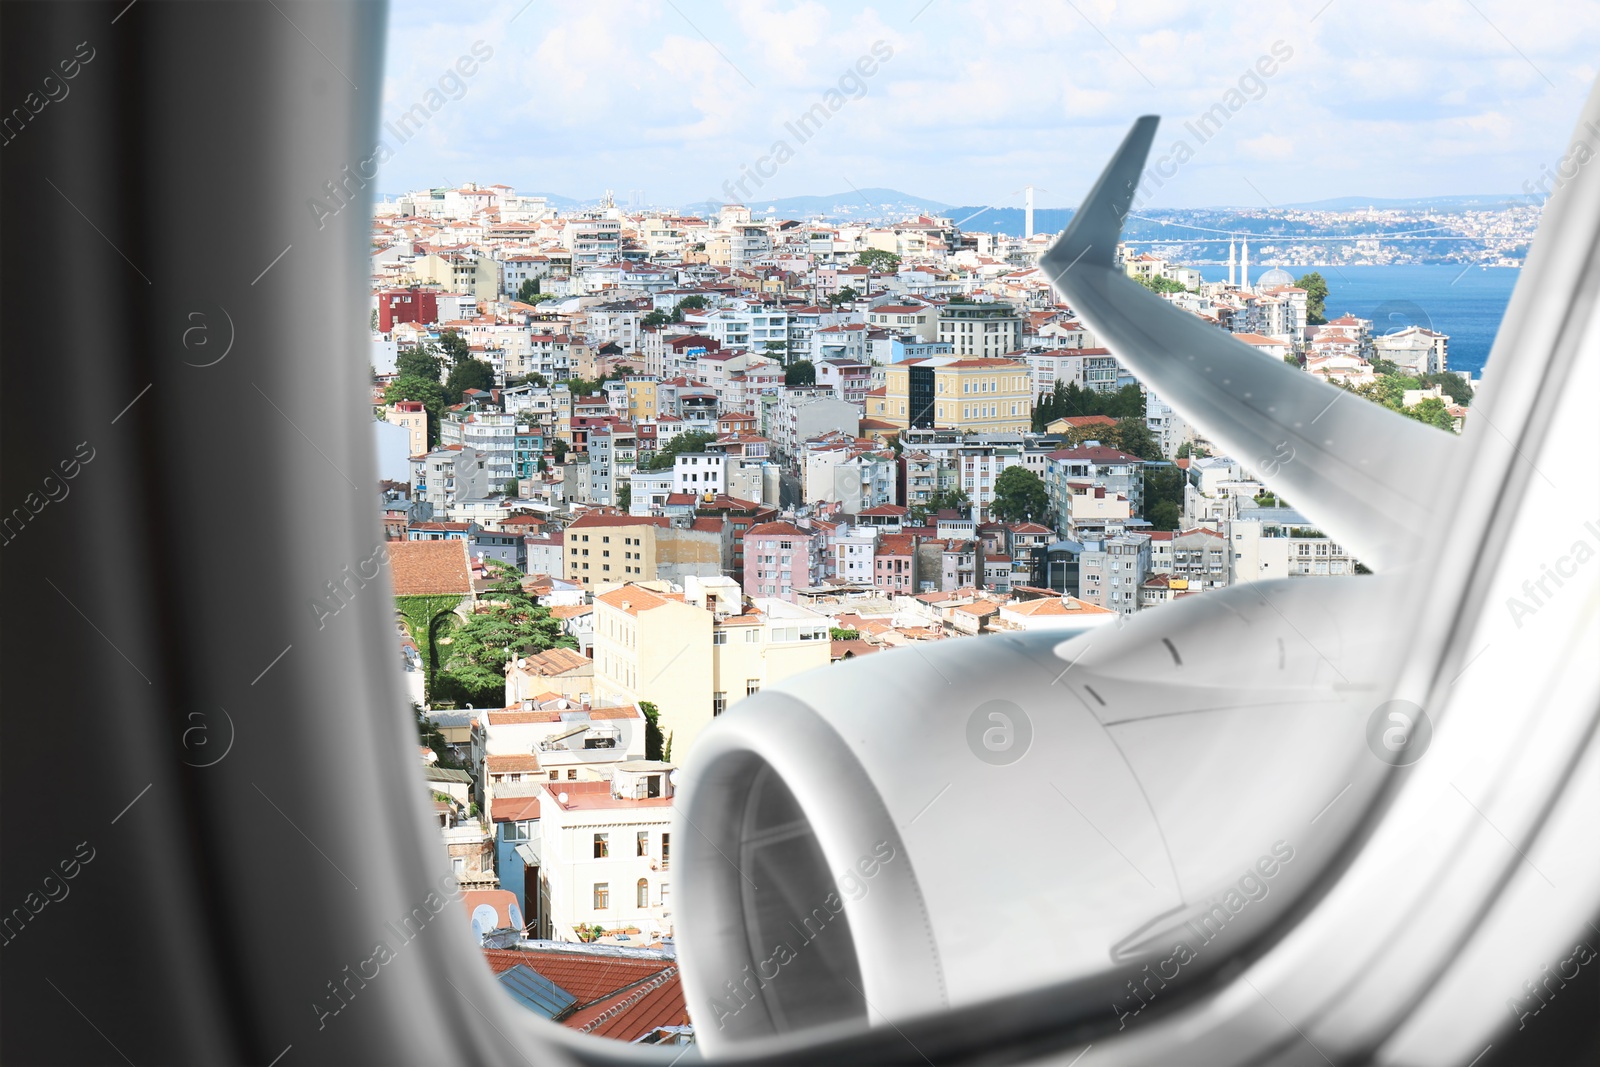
{"points": [[607, 852]]}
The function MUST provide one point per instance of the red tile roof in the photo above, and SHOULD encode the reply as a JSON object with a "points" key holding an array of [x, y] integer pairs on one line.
{"points": [[430, 568]]}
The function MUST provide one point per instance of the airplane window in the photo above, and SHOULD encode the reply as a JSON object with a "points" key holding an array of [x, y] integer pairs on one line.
{"points": [[1138, 656]]}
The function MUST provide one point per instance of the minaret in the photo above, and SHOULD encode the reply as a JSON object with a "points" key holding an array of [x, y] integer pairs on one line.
{"points": [[1233, 264], [1027, 213], [1244, 265]]}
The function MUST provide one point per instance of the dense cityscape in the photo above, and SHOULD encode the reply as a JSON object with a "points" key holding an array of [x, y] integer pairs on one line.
{"points": [[637, 466]]}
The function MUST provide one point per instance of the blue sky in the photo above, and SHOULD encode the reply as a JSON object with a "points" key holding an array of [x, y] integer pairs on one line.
{"points": [[979, 98]]}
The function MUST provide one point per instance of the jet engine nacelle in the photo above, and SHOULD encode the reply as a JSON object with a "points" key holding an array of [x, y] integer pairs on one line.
{"points": [[951, 822]]}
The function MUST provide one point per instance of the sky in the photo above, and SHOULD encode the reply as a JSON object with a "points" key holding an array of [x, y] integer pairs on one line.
{"points": [[671, 102]]}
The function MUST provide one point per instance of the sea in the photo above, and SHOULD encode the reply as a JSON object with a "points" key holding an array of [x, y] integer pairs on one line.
{"points": [[1466, 304]]}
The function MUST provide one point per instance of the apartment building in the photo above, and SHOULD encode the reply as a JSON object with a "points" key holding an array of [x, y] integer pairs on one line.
{"points": [[780, 557], [605, 546], [982, 330], [1112, 572], [976, 395], [412, 417], [801, 414], [607, 849], [1118, 471], [491, 434], [918, 320], [1280, 542], [447, 474]]}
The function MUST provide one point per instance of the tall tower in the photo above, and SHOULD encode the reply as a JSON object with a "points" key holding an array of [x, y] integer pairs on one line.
{"points": [[1027, 212], [1244, 265], [1233, 264]]}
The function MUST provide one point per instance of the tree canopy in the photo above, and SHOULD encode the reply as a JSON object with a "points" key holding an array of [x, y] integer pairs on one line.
{"points": [[665, 457], [419, 361], [800, 372], [1316, 288], [426, 390], [1019, 496], [844, 296], [1163, 496], [879, 260], [1069, 399], [454, 348], [508, 623], [1162, 285], [468, 374], [940, 500]]}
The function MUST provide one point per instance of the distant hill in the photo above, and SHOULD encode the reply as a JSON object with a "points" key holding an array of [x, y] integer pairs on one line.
{"points": [[1444, 203], [873, 203]]}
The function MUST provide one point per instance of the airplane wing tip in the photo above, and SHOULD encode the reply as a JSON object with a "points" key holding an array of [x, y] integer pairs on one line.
{"points": [[1096, 226]]}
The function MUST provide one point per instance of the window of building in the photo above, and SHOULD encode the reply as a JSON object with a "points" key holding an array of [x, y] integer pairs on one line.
{"points": [[752, 685], [602, 896], [572, 775], [642, 843], [458, 864], [642, 894]]}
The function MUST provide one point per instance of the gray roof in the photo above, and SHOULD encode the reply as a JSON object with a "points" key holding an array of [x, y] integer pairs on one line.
{"points": [[444, 774]]}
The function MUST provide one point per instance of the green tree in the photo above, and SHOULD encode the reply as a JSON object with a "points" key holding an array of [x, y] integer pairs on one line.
{"points": [[426, 390], [508, 623], [1162, 285], [656, 319], [468, 374], [1431, 410], [625, 496], [693, 302], [419, 361], [800, 372], [839, 633], [511, 488], [1454, 386], [454, 348], [1163, 495], [940, 500], [374, 320], [879, 260], [528, 290], [666, 456], [1019, 496], [844, 296], [1133, 436], [1316, 288], [558, 450], [1192, 449], [652, 730]]}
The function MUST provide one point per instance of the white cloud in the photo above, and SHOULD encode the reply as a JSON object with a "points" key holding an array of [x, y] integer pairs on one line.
{"points": [[984, 96]]}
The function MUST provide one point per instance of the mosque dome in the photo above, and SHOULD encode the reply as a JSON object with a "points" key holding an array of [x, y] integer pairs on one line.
{"points": [[1273, 278]]}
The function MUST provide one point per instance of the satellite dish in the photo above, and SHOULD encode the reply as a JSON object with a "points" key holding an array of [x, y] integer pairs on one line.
{"points": [[562, 797], [672, 776], [485, 919]]}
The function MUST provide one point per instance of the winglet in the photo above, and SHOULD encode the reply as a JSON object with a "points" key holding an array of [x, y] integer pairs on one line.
{"points": [[1097, 226], [1365, 474]]}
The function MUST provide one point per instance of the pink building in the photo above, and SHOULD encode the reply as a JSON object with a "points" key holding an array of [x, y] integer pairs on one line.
{"points": [[894, 566], [780, 557]]}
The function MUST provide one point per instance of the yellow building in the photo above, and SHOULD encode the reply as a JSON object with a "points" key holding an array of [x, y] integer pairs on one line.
{"points": [[696, 653], [413, 417], [641, 398], [649, 645], [980, 395], [606, 547]]}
